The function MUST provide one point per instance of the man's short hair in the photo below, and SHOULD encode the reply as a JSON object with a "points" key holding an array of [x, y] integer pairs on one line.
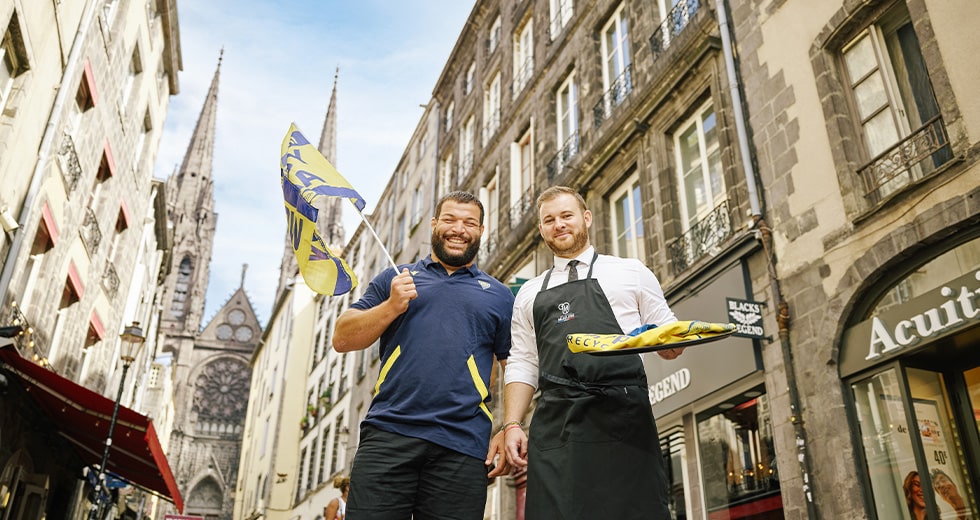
{"points": [[461, 197], [554, 191]]}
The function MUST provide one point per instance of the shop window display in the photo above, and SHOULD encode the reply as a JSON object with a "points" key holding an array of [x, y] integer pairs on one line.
{"points": [[740, 475]]}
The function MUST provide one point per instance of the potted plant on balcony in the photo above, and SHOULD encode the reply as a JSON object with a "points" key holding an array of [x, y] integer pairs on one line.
{"points": [[311, 409], [304, 423], [325, 400]]}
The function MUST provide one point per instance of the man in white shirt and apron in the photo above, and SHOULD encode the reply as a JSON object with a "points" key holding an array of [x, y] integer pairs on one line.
{"points": [[592, 450]]}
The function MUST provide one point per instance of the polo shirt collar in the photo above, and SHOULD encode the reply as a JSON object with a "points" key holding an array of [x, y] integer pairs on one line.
{"points": [[428, 262]]}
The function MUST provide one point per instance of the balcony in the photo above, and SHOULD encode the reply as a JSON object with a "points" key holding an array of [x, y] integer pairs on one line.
{"points": [[613, 97], [561, 159], [674, 23], [491, 126], [915, 157], [702, 239], [522, 207], [522, 75], [71, 168], [90, 232], [110, 280]]}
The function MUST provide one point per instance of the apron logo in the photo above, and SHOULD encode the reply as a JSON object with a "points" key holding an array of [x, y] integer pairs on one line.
{"points": [[564, 307]]}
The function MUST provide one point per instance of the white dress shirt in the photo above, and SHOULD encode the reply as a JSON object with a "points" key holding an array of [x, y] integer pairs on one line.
{"points": [[633, 291]]}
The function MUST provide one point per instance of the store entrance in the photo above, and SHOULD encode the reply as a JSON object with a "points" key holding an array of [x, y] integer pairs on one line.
{"points": [[920, 428]]}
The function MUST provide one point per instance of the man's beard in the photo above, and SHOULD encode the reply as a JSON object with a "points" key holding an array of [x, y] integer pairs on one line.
{"points": [[454, 260], [579, 240]]}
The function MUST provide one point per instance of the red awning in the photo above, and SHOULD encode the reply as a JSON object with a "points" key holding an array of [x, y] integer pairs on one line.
{"points": [[82, 418]]}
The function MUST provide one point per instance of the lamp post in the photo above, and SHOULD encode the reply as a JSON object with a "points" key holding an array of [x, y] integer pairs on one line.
{"points": [[132, 340]]}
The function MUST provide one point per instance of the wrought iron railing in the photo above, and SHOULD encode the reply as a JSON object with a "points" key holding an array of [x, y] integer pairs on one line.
{"points": [[110, 280], [90, 232], [521, 207], [702, 239], [558, 21], [915, 157], [673, 24], [71, 168], [522, 75], [561, 159], [465, 165], [491, 126], [613, 97]]}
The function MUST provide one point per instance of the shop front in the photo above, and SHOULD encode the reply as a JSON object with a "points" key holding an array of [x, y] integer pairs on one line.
{"points": [[713, 414], [910, 365]]}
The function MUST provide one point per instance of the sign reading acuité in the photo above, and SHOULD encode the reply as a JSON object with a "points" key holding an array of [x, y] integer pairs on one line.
{"points": [[747, 317], [938, 313]]}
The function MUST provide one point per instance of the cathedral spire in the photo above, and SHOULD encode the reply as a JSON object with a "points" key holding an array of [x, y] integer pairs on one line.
{"points": [[190, 203]]}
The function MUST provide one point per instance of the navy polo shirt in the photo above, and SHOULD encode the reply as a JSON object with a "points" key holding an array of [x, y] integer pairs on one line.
{"points": [[437, 356]]}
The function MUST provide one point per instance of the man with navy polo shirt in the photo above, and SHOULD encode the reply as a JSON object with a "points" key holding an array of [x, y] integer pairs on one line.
{"points": [[441, 322]]}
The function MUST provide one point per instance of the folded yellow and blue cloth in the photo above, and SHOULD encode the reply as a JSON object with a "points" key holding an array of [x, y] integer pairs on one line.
{"points": [[674, 334]]}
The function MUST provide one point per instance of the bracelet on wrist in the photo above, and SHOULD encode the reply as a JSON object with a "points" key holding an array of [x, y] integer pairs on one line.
{"points": [[512, 426], [508, 425]]}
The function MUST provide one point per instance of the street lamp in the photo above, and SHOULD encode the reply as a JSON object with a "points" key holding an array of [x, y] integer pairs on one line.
{"points": [[132, 340]]}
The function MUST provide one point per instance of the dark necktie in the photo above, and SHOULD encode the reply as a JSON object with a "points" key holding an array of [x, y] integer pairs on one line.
{"points": [[573, 270]]}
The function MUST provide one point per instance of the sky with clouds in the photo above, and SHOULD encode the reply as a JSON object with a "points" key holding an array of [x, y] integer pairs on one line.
{"points": [[278, 67]]}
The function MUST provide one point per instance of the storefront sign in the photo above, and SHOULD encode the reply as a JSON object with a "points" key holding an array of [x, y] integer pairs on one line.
{"points": [[747, 317], [701, 369], [931, 316], [670, 385]]}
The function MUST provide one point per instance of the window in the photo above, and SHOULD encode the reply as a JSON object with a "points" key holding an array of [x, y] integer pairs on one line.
{"points": [[675, 464], [626, 220], [181, 288], [616, 78], [322, 467], [675, 15], [399, 234], [523, 55], [135, 68], [338, 430], [566, 112], [466, 147], [421, 147], [490, 197], [417, 206], [491, 108], [446, 175], [12, 62], [699, 166], [493, 40], [145, 130], [521, 177], [449, 115], [470, 77], [899, 119], [738, 459], [561, 13]]}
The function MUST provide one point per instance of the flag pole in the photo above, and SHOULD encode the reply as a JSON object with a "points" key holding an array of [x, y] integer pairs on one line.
{"points": [[376, 237]]}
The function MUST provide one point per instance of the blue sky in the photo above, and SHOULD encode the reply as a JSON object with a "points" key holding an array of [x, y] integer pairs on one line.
{"points": [[278, 68]]}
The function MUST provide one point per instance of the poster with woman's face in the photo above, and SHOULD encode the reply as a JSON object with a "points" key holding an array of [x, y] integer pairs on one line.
{"points": [[946, 478]]}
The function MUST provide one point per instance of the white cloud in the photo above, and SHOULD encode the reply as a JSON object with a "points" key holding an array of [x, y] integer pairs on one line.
{"points": [[278, 68]]}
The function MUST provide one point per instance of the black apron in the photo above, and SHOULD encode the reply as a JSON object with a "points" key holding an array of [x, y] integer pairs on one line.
{"points": [[593, 449]]}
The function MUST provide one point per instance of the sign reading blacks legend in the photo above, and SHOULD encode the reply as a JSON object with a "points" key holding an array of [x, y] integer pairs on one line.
{"points": [[747, 317]]}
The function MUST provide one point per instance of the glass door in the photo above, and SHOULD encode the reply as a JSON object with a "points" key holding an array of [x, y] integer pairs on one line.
{"points": [[942, 444]]}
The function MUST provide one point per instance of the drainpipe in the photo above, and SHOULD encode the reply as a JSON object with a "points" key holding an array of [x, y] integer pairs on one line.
{"points": [[765, 234], [47, 144]]}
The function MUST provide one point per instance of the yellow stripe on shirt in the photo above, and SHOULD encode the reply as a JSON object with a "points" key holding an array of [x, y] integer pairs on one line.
{"points": [[480, 387], [387, 366]]}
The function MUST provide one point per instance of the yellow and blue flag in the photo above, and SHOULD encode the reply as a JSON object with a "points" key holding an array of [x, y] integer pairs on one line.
{"points": [[677, 334], [306, 177]]}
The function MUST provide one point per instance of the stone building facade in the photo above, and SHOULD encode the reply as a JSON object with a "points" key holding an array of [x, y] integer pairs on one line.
{"points": [[84, 92], [807, 170]]}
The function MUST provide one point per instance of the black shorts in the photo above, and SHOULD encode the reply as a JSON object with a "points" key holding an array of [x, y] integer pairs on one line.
{"points": [[400, 478]]}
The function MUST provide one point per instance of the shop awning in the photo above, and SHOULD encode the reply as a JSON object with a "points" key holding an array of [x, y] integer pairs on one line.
{"points": [[82, 417]]}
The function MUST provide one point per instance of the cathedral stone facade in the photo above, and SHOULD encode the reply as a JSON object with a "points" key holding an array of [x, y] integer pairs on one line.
{"points": [[210, 370]]}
